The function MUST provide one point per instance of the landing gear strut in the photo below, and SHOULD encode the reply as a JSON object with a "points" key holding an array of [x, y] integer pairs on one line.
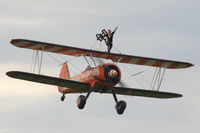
{"points": [[120, 105], [81, 101]]}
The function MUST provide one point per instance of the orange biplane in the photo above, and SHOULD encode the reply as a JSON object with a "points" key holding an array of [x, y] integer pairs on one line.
{"points": [[101, 78]]}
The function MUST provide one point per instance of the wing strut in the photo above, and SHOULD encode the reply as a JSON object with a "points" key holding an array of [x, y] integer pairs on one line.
{"points": [[157, 78], [36, 62]]}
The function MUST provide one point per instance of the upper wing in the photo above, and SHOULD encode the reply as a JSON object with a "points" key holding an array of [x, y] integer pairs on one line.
{"points": [[144, 93], [122, 58], [76, 87]]}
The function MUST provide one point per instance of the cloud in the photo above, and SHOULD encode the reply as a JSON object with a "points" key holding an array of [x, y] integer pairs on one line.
{"points": [[20, 22]]}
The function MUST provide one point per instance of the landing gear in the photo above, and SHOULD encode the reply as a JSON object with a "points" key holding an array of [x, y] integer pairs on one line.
{"points": [[120, 106], [81, 101], [62, 97]]}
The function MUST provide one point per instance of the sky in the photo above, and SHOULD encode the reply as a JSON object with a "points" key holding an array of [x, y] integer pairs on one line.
{"points": [[151, 28]]}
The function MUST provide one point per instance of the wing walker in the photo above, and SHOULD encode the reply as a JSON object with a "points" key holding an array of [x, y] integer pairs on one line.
{"points": [[101, 78]]}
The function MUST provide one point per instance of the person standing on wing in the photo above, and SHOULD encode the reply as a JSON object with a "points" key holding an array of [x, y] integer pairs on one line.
{"points": [[109, 40]]}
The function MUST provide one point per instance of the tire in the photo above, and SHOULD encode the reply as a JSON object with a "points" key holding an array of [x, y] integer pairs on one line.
{"points": [[120, 107], [62, 98], [81, 101]]}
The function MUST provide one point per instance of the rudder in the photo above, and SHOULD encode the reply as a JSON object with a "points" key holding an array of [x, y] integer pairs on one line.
{"points": [[64, 74]]}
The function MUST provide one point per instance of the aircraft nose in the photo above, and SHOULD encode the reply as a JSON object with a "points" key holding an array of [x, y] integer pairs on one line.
{"points": [[113, 73]]}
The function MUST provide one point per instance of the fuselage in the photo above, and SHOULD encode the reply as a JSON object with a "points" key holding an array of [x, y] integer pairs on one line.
{"points": [[100, 78]]}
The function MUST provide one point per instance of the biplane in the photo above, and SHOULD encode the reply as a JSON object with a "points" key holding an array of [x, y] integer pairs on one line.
{"points": [[100, 78]]}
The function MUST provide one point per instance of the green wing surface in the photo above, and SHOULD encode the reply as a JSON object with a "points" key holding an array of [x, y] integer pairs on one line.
{"points": [[79, 86], [84, 87], [144, 93]]}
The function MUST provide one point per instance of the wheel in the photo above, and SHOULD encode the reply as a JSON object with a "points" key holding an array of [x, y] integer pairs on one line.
{"points": [[81, 101], [62, 97], [120, 107]]}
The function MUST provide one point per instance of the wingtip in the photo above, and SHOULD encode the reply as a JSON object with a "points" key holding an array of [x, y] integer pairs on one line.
{"points": [[179, 95], [13, 41], [187, 65], [192, 65], [11, 73]]}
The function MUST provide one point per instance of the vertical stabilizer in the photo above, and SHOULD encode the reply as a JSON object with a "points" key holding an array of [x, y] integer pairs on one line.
{"points": [[64, 74]]}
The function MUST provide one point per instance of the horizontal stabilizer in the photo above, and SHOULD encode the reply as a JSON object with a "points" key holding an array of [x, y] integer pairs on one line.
{"points": [[76, 87], [145, 93], [122, 58]]}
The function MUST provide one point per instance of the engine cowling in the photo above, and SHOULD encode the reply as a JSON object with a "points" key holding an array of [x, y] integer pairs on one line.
{"points": [[109, 73]]}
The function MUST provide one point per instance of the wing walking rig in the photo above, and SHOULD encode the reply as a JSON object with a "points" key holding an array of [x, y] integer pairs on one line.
{"points": [[101, 78]]}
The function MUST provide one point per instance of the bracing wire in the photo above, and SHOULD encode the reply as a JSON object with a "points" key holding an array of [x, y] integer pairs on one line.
{"points": [[32, 61], [117, 50], [53, 58], [144, 78], [157, 79], [134, 75], [160, 83], [92, 45], [35, 61], [60, 62], [62, 57], [153, 79], [40, 63], [87, 61], [38, 60], [136, 79], [143, 81]]}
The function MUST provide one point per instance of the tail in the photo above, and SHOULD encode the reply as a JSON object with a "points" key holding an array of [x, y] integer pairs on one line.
{"points": [[64, 74]]}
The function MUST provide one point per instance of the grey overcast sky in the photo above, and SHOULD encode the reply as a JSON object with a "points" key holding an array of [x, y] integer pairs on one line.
{"points": [[155, 28]]}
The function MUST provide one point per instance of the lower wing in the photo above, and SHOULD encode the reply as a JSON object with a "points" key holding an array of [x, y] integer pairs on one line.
{"points": [[78, 87], [144, 93]]}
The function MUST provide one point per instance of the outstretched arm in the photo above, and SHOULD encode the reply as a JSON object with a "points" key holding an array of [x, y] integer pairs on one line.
{"points": [[115, 29]]}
